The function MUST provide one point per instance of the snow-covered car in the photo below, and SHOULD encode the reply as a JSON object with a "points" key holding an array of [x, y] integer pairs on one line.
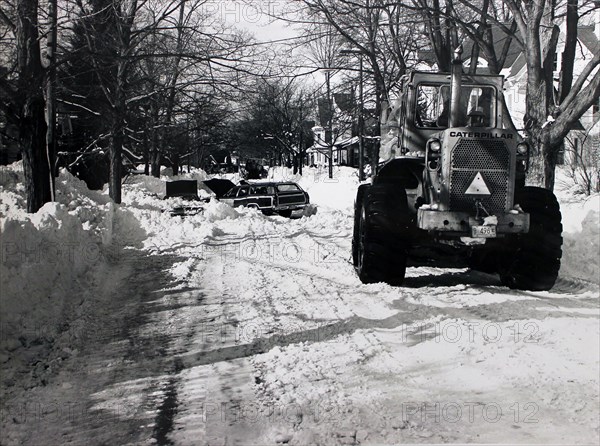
{"points": [[187, 190], [281, 198]]}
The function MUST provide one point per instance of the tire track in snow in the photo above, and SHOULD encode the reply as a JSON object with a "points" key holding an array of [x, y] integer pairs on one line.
{"points": [[272, 305]]}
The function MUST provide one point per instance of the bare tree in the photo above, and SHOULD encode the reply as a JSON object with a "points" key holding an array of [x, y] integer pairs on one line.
{"points": [[31, 107], [277, 118], [156, 60], [582, 158], [382, 31]]}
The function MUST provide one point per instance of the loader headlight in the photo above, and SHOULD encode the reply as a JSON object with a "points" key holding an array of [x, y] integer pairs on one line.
{"points": [[522, 148], [435, 145]]}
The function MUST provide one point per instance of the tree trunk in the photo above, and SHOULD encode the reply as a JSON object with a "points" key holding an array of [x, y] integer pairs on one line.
{"points": [[118, 134], [155, 163], [116, 146], [155, 154], [32, 138], [146, 161], [550, 156], [32, 122], [175, 163], [568, 59], [330, 162], [535, 117], [540, 97]]}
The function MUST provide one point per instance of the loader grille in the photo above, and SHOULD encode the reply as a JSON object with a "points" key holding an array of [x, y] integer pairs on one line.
{"points": [[489, 157]]}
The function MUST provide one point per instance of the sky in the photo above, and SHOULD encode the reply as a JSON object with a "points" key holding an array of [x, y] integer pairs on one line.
{"points": [[255, 16]]}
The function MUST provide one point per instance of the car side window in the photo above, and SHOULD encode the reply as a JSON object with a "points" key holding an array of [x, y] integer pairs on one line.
{"points": [[259, 190], [243, 192], [287, 188]]}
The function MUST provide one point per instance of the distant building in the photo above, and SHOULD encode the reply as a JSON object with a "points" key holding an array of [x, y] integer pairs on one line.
{"points": [[344, 133]]}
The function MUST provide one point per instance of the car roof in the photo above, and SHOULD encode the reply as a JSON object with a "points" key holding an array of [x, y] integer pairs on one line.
{"points": [[272, 183]]}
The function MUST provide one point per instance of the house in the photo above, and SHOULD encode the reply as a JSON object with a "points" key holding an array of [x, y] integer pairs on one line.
{"points": [[582, 143], [343, 134]]}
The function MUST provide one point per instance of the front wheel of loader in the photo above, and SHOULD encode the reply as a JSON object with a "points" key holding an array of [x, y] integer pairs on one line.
{"points": [[533, 261], [380, 242]]}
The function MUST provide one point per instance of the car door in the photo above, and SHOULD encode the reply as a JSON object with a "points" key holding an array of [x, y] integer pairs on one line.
{"points": [[261, 197], [242, 198], [290, 194]]}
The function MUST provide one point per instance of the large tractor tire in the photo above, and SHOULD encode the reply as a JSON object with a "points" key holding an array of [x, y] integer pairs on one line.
{"points": [[535, 260], [380, 245], [360, 195]]}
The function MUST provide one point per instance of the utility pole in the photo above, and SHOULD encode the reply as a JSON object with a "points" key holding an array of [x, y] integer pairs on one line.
{"points": [[361, 149], [51, 96], [329, 132]]}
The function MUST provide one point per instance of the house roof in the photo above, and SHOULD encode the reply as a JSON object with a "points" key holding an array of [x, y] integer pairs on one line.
{"points": [[499, 40], [577, 125], [515, 59], [428, 55], [517, 65], [587, 36]]}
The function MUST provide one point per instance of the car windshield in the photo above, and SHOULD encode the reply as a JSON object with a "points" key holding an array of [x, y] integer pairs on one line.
{"points": [[231, 192], [287, 188]]}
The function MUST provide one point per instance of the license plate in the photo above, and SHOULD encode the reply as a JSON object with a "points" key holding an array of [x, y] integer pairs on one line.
{"points": [[483, 231]]}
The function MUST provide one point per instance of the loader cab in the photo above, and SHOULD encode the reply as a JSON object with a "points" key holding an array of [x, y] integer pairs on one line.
{"points": [[423, 108]]}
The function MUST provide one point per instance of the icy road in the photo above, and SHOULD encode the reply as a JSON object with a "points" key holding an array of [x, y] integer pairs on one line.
{"points": [[230, 327]]}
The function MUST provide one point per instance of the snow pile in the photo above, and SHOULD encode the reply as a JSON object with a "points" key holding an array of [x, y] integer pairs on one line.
{"points": [[152, 187], [49, 260], [143, 197], [581, 230], [581, 250]]}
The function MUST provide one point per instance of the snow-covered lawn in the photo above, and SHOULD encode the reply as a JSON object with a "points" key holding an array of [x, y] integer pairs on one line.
{"points": [[233, 327]]}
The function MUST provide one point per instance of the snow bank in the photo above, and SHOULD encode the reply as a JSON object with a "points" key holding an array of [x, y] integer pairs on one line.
{"points": [[49, 260], [581, 250], [581, 230]]}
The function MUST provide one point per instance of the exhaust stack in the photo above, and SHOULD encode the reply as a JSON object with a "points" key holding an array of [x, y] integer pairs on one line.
{"points": [[455, 86]]}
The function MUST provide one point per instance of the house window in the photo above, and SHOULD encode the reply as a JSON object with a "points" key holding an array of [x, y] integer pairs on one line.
{"points": [[555, 62]]}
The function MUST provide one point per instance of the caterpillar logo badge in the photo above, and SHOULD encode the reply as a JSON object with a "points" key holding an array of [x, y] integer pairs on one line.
{"points": [[478, 186]]}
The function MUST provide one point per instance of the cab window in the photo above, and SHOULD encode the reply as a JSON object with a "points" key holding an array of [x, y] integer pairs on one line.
{"points": [[477, 106]]}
